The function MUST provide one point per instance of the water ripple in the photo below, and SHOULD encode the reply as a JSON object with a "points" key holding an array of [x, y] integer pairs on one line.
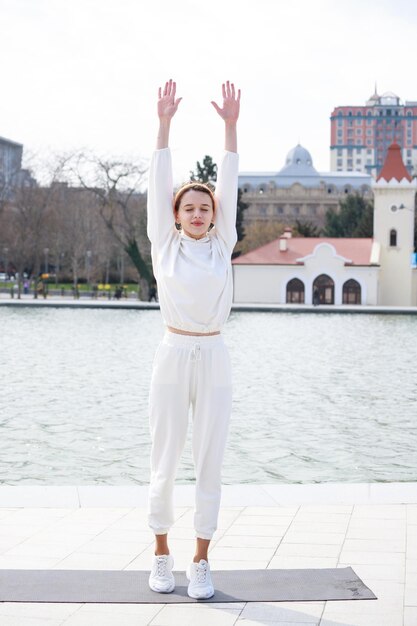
{"points": [[317, 398]]}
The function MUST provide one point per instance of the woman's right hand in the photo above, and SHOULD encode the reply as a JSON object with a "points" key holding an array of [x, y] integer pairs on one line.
{"points": [[167, 103]]}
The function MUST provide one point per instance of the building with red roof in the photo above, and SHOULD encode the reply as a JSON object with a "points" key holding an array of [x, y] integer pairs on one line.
{"points": [[326, 270]]}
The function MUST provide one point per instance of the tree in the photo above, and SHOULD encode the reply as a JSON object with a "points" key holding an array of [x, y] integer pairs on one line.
{"points": [[306, 229], [258, 234], [116, 185], [205, 173], [354, 219]]}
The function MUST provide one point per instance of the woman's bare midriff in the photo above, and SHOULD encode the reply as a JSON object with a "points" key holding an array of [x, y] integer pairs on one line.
{"points": [[186, 332]]}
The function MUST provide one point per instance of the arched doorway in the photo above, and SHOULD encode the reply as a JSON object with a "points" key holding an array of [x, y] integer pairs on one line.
{"points": [[295, 291], [352, 292], [323, 290]]}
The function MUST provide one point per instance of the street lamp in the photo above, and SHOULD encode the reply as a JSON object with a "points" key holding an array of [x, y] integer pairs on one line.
{"points": [[46, 252], [6, 262], [88, 256]]}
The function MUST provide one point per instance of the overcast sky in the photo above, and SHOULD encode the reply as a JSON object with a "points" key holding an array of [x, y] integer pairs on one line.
{"points": [[85, 73]]}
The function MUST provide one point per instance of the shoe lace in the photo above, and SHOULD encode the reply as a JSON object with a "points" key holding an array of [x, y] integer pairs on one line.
{"points": [[161, 566], [201, 572]]}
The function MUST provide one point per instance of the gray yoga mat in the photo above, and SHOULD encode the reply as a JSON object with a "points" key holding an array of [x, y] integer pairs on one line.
{"points": [[101, 586]]}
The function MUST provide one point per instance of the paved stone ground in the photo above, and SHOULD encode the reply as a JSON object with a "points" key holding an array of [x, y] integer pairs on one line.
{"points": [[379, 540]]}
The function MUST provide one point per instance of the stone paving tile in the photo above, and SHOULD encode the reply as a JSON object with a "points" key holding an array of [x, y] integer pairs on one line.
{"points": [[260, 531], [305, 549], [373, 558], [250, 622], [275, 511], [378, 511], [377, 572], [78, 560], [410, 616], [267, 520], [411, 512], [219, 564], [192, 614], [283, 611], [119, 611], [30, 621], [27, 562], [40, 610], [298, 562], [237, 554], [308, 538], [239, 541], [374, 545]]}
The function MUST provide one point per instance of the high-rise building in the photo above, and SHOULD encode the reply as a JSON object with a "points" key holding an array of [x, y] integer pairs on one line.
{"points": [[360, 135], [10, 160]]}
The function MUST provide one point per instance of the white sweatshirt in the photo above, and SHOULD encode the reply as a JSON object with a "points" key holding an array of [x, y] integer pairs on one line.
{"points": [[194, 276]]}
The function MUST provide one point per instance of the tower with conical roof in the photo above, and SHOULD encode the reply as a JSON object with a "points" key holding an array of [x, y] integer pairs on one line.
{"points": [[394, 197]]}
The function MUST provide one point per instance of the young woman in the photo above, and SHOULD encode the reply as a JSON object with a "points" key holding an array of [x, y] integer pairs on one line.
{"points": [[192, 239]]}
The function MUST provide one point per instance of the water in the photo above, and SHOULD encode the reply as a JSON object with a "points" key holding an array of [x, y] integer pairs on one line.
{"points": [[317, 398]]}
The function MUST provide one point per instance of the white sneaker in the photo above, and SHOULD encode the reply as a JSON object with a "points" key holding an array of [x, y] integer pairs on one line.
{"points": [[161, 578], [200, 586]]}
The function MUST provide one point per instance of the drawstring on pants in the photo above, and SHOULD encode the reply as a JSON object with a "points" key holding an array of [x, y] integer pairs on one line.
{"points": [[196, 352]]}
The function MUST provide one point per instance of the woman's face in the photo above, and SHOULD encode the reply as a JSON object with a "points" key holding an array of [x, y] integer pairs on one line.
{"points": [[195, 213]]}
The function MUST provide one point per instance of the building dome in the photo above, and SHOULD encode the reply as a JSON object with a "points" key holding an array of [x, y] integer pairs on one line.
{"points": [[299, 163], [390, 98]]}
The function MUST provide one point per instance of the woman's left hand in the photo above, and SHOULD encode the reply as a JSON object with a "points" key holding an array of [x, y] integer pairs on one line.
{"points": [[231, 103]]}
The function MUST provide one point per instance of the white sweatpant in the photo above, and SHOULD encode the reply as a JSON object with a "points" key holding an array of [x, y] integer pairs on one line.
{"points": [[189, 371]]}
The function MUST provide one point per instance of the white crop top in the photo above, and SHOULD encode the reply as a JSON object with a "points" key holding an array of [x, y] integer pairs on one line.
{"points": [[194, 276]]}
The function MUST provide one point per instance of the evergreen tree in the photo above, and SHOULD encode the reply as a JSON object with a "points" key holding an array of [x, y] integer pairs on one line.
{"points": [[206, 172], [306, 229], [354, 219]]}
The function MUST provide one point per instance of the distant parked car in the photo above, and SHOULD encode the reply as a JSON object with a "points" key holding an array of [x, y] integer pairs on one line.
{"points": [[3, 276]]}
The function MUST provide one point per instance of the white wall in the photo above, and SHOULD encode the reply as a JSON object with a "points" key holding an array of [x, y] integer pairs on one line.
{"points": [[267, 284]]}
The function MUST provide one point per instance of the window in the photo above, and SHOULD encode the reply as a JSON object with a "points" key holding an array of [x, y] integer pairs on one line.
{"points": [[340, 133], [339, 162], [350, 151], [323, 290], [358, 150], [358, 161], [393, 238], [340, 122], [350, 132], [359, 131], [351, 292], [369, 132], [295, 291], [339, 152], [368, 151], [279, 210]]}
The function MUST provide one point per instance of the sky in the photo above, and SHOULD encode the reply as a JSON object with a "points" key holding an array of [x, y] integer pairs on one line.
{"points": [[85, 73]]}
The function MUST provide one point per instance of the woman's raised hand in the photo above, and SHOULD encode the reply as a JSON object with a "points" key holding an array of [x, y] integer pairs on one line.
{"points": [[231, 103], [167, 103]]}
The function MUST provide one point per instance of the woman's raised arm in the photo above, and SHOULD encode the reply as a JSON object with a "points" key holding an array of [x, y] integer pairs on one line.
{"points": [[167, 107], [230, 114]]}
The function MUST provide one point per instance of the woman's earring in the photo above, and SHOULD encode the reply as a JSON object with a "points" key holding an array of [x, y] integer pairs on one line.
{"points": [[211, 226], [178, 226]]}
